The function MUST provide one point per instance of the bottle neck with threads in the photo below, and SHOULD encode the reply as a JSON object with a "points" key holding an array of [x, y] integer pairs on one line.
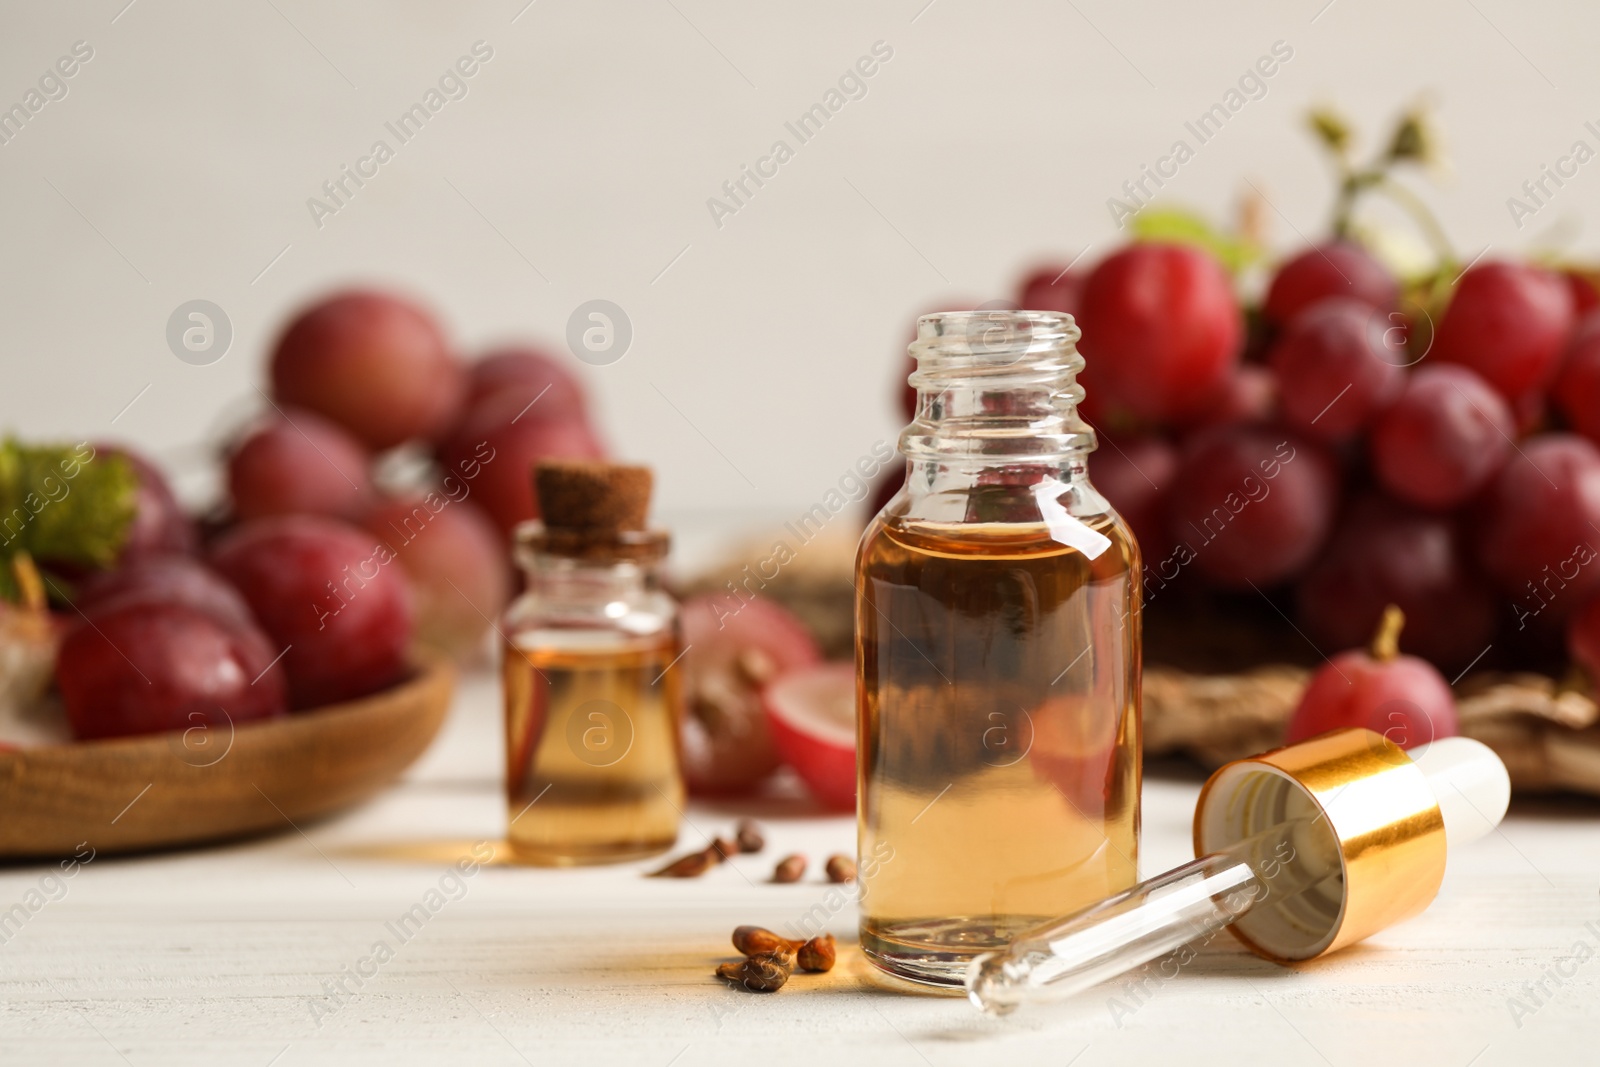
{"points": [[996, 419]]}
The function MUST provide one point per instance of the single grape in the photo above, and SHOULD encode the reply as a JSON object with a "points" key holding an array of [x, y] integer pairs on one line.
{"points": [[1583, 638], [159, 522], [1135, 475], [1382, 553], [1537, 526], [171, 578], [1401, 697], [1442, 441], [1336, 368], [1251, 505], [376, 364], [1531, 414], [1585, 297], [495, 446], [734, 647], [331, 595], [1337, 268], [530, 369], [1509, 322], [1161, 332], [1577, 388], [1050, 288], [297, 462], [142, 667], [1250, 394], [811, 716], [456, 560]]}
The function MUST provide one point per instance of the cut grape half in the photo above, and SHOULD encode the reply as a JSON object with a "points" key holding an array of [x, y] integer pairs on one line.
{"points": [[812, 715], [734, 648]]}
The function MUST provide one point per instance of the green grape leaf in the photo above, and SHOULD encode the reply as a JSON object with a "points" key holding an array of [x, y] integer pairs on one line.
{"points": [[64, 503], [1188, 227]]}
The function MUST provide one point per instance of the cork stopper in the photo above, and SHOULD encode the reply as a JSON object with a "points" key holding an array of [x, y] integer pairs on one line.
{"points": [[589, 495], [593, 511]]}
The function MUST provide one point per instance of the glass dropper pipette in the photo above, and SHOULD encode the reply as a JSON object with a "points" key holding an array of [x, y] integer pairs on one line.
{"points": [[1153, 918], [1349, 835]]}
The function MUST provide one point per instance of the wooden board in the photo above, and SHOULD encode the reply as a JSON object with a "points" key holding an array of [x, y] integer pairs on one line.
{"points": [[194, 786]]}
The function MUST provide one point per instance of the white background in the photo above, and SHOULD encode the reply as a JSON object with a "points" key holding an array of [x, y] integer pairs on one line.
{"points": [[180, 163]]}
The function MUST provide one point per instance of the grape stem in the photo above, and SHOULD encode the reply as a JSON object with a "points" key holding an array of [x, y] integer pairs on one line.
{"points": [[1409, 142], [1377, 179], [30, 587], [1386, 642]]}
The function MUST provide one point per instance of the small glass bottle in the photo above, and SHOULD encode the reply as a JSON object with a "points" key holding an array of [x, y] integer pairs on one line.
{"points": [[591, 675], [997, 651]]}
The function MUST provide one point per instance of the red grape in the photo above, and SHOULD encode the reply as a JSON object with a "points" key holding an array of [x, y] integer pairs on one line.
{"points": [[1585, 297], [159, 522], [811, 715], [1577, 388], [330, 594], [142, 667], [1338, 268], [1251, 503], [1510, 323], [1161, 331], [733, 648], [1401, 697], [500, 442], [375, 364], [1385, 553], [1443, 439], [176, 579], [1050, 288], [1538, 526], [298, 463], [527, 368], [1135, 476], [1335, 368], [1583, 638], [1249, 395], [456, 561], [1530, 413]]}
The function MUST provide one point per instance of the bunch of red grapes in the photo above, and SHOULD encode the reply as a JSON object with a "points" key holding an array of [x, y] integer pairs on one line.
{"points": [[312, 583], [1340, 449]]}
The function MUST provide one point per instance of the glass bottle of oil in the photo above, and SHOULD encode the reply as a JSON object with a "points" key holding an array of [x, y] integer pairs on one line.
{"points": [[997, 650], [591, 675]]}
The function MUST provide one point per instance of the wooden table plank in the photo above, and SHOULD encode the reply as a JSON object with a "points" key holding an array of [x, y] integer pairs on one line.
{"points": [[222, 956]]}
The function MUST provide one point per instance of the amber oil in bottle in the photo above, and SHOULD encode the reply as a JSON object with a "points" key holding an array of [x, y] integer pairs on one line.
{"points": [[591, 677], [997, 631]]}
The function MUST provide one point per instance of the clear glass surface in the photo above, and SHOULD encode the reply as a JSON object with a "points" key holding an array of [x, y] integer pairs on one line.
{"points": [[592, 704], [1187, 903], [997, 652]]}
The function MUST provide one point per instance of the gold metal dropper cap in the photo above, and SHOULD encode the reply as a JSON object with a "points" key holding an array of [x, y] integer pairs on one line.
{"points": [[1368, 814]]}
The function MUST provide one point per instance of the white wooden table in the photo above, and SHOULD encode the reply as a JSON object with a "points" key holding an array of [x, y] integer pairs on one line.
{"points": [[227, 955]]}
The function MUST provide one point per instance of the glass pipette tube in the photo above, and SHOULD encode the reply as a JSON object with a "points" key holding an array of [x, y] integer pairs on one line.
{"points": [[1153, 918]]}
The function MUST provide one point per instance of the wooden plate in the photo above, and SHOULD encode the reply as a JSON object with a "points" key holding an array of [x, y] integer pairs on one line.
{"points": [[211, 784]]}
